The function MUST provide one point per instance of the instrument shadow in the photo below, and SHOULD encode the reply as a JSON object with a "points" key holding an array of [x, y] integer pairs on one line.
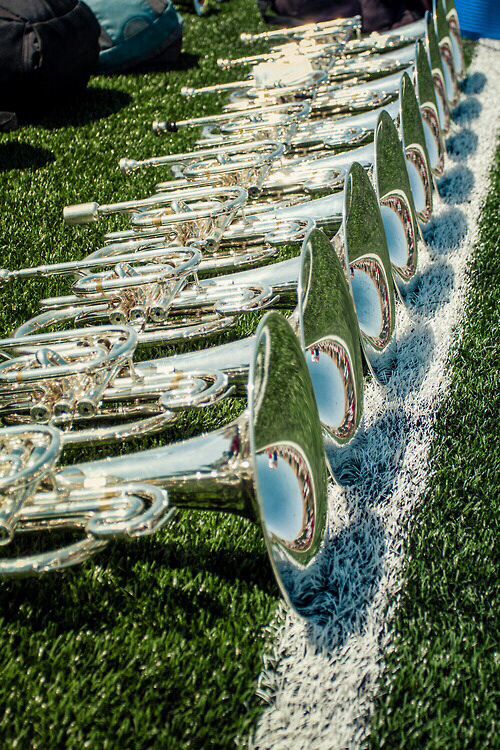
{"points": [[430, 292], [461, 145], [372, 460], [36, 604], [468, 110], [336, 603], [456, 186], [474, 83], [444, 233]]}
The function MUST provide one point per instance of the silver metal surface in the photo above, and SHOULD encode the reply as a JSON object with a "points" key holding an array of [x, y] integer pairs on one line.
{"points": [[269, 465], [415, 148], [448, 59], [396, 200], [339, 28], [245, 165], [370, 265], [438, 73], [197, 214], [348, 140], [324, 319], [456, 37], [429, 111]]}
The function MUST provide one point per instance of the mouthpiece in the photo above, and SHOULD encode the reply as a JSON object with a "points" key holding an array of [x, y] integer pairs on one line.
{"points": [[5, 275], [81, 213], [128, 166]]}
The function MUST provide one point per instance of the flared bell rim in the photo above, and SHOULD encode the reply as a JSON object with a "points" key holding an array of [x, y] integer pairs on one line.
{"points": [[287, 451]]}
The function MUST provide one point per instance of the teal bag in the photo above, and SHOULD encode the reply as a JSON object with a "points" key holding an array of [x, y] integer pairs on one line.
{"points": [[136, 33]]}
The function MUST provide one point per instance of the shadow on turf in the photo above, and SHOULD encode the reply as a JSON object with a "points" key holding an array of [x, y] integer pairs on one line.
{"points": [[474, 83], [185, 61], [456, 185], [468, 109], [18, 155], [429, 294], [444, 233], [93, 595], [335, 602], [461, 145], [91, 105]]}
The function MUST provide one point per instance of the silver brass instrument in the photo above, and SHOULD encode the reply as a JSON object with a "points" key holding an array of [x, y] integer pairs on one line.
{"points": [[429, 111], [344, 132], [268, 465], [273, 122], [320, 174], [90, 290], [336, 29], [162, 387], [324, 53], [197, 216], [331, 131], [246, 165], [176, 263], [456, 37], [451, 63], [438, 74], [282, 282], [382, 60], [328, 332], [67, 380], [251, 241]]}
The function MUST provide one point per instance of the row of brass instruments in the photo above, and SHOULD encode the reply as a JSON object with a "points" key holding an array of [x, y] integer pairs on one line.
{"points": [[326, 153]]}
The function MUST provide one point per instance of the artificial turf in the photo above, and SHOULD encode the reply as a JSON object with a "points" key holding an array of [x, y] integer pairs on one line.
{"points": [[158, 643], [441, 684]]}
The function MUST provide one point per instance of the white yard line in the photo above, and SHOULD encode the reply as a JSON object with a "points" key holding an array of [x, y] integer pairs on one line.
{"points": [[321, 681]]}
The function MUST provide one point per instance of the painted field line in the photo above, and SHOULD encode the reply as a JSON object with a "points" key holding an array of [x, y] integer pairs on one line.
{"points": [[321, 680]]}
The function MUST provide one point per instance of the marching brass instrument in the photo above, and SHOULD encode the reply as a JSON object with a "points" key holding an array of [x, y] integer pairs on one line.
{"points": [[323, 316], [274, 122], [257, 228], [66, 379], [321, 172], [211, 297], [175, 263], [326, 324], [260, 238], [345, 132], [245, 164], [324, 53], [429, 111], [324, 174], [197, 216], [377, 62], [442, 86], [372, 291], [268, 465], [451, 64], [250, 241], [335, 29], [215, 302], [456, 37]]}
